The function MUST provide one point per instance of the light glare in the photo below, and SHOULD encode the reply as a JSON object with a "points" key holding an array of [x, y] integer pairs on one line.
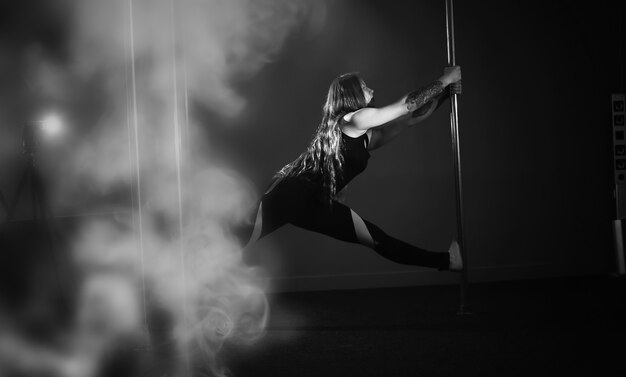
{"points": [[51, 124]]}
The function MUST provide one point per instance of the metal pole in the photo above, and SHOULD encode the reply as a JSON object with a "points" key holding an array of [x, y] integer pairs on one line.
{"points": [[454, 128]]}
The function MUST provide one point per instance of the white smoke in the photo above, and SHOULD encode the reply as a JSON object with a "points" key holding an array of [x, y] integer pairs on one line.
{"points": [[213, 44], [140, 64]]}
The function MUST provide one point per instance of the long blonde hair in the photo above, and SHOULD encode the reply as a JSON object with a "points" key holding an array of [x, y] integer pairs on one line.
{"points": [[323, 155]]}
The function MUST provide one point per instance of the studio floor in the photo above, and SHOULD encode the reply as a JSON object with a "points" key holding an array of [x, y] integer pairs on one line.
{"points": [[568, 326], [561, 326]]}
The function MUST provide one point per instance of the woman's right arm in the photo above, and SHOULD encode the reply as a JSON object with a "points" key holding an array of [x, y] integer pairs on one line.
{"points": [[367, 118], [382, 135]]}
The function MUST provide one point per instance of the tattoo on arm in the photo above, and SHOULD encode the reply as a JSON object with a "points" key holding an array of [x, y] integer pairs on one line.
{"points": [[436, 102], [443, 98], [420, 97], [423, 110]]}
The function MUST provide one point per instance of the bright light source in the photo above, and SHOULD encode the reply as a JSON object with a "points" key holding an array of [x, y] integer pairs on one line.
{"points": [[51, 124]]}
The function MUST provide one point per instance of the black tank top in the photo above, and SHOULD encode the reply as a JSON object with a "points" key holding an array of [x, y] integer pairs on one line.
{"points": [[355, 157]]}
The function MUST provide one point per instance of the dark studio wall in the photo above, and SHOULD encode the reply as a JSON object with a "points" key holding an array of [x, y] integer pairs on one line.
{"points": [[534, 129], [535, 134]]}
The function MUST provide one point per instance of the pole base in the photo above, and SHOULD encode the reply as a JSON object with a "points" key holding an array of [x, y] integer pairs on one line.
{"points": [[618, 243]]}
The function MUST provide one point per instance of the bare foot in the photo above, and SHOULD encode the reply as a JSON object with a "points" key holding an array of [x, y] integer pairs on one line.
{"points": [[456, 261]]}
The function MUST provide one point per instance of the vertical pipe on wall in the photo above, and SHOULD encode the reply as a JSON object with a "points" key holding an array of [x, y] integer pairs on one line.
{"points": [[454, 128], [178, 155], [131, 27]]}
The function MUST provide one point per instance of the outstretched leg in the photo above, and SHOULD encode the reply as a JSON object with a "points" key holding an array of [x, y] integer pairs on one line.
{"points": [[276, 207], [258, 226], [341, 222], [405, 253], [262, 225]]}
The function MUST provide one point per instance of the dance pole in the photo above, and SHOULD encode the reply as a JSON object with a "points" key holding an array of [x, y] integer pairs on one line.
{"points": [[454, 128]]}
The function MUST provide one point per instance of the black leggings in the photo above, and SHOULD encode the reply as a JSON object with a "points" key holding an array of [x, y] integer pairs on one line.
{"points": [[295, 202]]}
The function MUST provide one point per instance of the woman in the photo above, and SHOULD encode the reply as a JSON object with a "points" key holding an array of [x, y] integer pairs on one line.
{"points": [[305, 192]]}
